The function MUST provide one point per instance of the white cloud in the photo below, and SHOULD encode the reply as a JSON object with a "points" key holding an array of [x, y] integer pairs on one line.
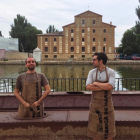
{"points": [[42, 13]]}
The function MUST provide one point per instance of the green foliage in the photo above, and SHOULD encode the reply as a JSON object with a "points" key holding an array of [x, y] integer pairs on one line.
{"points": [[51, 29], [0, 33], [119, 50], [31, 39], [5, 59], [130, 43], [25, 32]]}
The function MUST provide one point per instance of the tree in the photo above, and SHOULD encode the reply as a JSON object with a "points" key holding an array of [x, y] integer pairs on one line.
{"points": [[31, 39], [25, 32], [51, 29], [128, 42], [119, 49], [0, 33]]}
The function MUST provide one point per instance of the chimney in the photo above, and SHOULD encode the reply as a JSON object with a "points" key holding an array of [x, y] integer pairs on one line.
{"points": [[110, 23]]}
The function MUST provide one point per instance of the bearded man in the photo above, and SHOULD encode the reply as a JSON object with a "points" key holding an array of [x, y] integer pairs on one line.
{"points": [[30, 85]]}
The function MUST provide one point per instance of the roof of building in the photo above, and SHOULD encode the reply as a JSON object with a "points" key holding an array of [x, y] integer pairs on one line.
{"points": [[108, 24], [53, 34], [68, 24], [86, 12]]}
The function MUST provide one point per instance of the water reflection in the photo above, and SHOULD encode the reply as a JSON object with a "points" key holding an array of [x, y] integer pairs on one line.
{"points": [[69, 71], [77, 71]]}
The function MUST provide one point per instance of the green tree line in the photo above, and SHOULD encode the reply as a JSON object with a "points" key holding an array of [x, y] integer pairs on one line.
{"points": [[26, 33], [130, 42]]}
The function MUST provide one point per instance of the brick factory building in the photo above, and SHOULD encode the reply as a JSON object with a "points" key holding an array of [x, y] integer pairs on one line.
{"points": [[79, 40]]}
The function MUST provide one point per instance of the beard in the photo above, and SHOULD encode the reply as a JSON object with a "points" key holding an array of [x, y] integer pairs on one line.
{"points": [[31, 68]]}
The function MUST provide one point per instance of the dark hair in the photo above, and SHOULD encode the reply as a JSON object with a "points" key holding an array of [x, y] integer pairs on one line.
{"points": [[101, 56], [27, 58]]}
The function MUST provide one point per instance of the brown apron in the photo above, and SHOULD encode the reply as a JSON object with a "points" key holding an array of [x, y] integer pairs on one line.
{"points": [[101, 122], [31, 92]]}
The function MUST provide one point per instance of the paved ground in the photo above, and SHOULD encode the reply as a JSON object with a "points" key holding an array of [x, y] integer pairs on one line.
{"points": [[71, 116]]}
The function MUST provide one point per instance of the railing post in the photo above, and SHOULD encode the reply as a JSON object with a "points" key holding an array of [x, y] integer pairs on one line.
{"points": [[60, 84]]}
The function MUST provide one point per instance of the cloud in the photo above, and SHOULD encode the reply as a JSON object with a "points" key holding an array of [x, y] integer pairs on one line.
{"points": [[42, 13]]}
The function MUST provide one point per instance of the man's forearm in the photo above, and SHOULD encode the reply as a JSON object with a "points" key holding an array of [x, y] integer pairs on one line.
{"points": [[93, 87], [18, 96], [45, 94], [103, 86]]}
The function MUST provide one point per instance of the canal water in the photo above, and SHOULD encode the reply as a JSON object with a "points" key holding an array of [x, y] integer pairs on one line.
{"points": [[69, 71], [76, 71]]}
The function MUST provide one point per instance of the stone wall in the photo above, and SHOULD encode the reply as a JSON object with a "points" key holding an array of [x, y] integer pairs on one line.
{"points": [[2, 51], [68, 56], [14, 55]]}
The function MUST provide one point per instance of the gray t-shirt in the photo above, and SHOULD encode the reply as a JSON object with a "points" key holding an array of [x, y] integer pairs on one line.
{"points": [[30, 77], [101, 76]]}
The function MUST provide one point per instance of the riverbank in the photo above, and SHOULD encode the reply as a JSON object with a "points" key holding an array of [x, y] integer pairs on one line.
{"points": [[53, 62]]}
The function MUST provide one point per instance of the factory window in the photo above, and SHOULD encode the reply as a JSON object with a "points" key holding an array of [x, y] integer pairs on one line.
{"points": [[93, 30], [54, 39], [104, 30], [83, 21], [72, 49], [72, 31], [72, 56], [83, 39], [103, 49], [83, 49], [93, 49], [46, 49], [46, 39], [55, 56], [83, 30], [55, 49], [46, 56], [93, 39], [93, 21], [72, 39]]}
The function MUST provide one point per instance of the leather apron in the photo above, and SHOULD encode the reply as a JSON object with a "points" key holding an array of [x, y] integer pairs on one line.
{"points": [[31, 92], [101, 122]]}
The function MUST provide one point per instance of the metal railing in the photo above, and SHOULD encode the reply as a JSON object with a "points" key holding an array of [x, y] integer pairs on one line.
{"points": [[74, 84]]}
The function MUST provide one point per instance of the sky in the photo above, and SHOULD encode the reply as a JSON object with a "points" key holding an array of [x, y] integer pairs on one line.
{"points": [[42, 13]]}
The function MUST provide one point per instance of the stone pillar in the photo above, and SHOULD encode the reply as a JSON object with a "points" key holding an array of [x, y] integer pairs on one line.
{"points": [[37, 53]]}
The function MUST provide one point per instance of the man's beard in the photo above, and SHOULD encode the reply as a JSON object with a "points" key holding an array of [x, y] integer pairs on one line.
{"points": [[31, 68]]}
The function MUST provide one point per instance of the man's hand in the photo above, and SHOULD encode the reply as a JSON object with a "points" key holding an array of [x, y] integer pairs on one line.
{"points": [[26, 104], [95, 83], [36, 103]]}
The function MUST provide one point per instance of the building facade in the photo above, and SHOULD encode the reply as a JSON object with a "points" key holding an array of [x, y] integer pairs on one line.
{"points": [[79, 40], [9, 44]]}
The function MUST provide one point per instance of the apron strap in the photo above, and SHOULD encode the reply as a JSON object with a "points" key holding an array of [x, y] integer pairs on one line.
{"points": [[37, 76], [105, 72], [96, 75], [25, 76]]}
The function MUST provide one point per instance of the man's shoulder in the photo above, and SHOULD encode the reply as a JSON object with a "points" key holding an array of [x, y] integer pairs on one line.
{"points": [[110, 70], [41, 74], [22, 75], [93, 70]]}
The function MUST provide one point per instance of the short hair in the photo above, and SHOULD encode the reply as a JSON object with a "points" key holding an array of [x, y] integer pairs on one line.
{"points": [[101, 56], [27, 58]]}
